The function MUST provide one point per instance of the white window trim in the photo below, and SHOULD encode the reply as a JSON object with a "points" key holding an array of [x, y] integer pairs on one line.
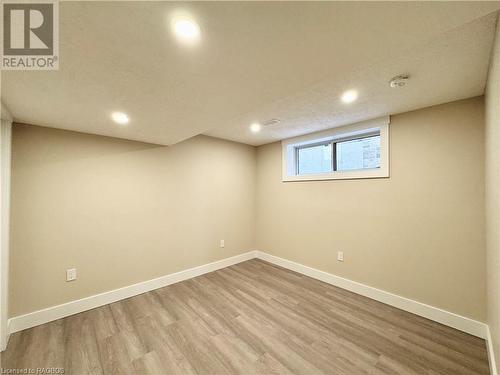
{"points": [[379, 124]]}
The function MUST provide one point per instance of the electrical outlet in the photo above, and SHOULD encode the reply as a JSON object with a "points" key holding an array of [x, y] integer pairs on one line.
{"points": [[222, 243], [71, 274], [340, 256]]}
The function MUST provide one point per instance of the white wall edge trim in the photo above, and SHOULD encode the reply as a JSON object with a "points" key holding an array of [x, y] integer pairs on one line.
{"points": [[5, 172], [21, 322], [447, 318], [491, 352]]}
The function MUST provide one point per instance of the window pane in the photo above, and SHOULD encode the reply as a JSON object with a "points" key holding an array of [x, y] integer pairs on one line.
{"points": [[315, 159], [359, 154]]}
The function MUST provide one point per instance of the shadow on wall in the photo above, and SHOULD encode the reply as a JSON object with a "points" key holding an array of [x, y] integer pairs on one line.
{"points": [[63, 143]]}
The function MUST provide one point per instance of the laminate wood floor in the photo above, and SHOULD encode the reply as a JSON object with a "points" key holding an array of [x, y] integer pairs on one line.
{"points": [[251, 318]]}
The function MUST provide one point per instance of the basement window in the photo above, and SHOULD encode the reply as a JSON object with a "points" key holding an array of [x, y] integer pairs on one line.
{"points": [[348, 152]]}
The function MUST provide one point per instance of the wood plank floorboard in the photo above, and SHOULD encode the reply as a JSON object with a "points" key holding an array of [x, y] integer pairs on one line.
{"points": [[250, 318]]}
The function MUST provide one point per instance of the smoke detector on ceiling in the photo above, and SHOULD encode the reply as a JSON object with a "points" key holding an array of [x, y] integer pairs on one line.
{"points": [[272, 121], [399, 81]]}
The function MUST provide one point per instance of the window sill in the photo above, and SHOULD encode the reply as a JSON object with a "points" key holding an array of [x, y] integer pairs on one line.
{"points": [[347, 175]]}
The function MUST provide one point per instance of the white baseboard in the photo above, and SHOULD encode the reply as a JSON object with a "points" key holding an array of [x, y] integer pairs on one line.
{"points": [[491, 352], [450, 319], [49, 314]]}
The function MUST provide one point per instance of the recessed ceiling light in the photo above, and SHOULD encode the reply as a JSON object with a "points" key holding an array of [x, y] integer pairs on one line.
{"points": [[120, 118], [349, 96], [255, 127], [186, 30]]}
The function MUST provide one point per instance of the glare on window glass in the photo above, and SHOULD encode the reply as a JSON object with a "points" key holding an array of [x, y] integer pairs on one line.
{"points": [[315, 159], [358, 154]]}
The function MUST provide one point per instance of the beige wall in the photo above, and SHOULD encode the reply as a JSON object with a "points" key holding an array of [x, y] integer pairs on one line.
{"points": [[120, 212], [493, 195], [419, 234]]}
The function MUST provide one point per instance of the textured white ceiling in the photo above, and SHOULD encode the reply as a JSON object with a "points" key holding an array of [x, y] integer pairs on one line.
{"points": [[256, 61], [449, 67]]}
